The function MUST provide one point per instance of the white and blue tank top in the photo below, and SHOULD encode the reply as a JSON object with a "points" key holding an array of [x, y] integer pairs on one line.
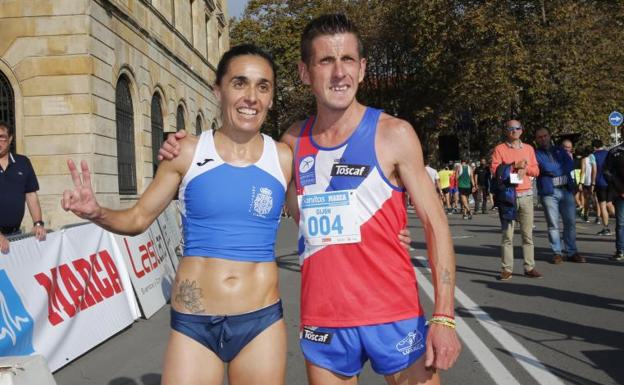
{"points": [[232, 212]]}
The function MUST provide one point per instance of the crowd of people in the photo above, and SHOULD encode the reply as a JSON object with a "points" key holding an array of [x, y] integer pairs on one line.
{"points": [[568, 186]]}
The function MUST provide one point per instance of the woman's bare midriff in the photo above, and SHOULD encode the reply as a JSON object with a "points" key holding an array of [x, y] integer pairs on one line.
{"points": [[219, 286]]}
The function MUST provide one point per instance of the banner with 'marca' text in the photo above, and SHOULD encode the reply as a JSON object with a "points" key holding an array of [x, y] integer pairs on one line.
{"points": [[62, 296]]}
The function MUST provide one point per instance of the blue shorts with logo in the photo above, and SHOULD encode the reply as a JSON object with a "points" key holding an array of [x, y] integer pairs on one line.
{"points": [[390, 347]]}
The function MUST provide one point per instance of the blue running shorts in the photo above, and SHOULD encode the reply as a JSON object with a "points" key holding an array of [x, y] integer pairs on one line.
{"points": [[390, 347], [228, 334]]}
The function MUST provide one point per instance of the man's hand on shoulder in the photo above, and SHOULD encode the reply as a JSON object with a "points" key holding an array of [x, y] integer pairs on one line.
{"points": [[170, 148]]}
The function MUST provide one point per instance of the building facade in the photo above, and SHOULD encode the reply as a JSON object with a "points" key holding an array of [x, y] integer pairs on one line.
{"points": [[103, 81]]}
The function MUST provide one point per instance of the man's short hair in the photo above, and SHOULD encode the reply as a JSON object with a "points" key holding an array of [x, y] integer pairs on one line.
{"points": [[328, 24], [7, 126], [597, 143]]}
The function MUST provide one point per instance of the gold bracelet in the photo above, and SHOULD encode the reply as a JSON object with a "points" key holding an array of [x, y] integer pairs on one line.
{"points": [[444, 321]]}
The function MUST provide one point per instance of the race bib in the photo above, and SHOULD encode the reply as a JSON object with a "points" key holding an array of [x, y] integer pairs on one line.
{"points": [[330, 218]]}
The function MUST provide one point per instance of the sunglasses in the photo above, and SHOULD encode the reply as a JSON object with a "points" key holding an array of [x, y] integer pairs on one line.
{"points": [[514, 128]]}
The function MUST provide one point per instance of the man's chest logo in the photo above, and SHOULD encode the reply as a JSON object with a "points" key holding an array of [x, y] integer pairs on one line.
{"points": [[354, 170]]}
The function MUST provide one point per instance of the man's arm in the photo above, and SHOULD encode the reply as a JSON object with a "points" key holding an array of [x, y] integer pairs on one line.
{"points": [[34, 208], [398, 143], [135, 220], [289, 137], [532, 168]]}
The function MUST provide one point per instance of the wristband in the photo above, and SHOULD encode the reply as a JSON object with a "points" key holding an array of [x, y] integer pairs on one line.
{"points": [[444, 321], [39, 223], [443, 315]]}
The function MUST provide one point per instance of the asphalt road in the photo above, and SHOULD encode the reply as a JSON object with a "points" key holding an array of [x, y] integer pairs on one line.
{"points": [[567, 328]]}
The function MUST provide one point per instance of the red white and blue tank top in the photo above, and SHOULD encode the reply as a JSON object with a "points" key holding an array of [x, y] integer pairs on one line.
{"points": [[354, 270]]}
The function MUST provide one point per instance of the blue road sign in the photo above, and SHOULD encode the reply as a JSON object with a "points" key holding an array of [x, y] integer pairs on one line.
{"points": [[615, 118]]}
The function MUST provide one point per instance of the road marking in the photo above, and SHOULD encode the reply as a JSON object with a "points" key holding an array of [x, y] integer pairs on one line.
{"points": [[492, 365], [462, 236]]}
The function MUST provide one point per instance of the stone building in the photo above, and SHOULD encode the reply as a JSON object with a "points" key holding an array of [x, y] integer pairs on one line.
{"points": [[102, 80]]}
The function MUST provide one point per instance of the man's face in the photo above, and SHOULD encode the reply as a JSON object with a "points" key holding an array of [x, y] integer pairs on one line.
{"points": [[482, 162], [542, 138], [5, 141], [513, 131], [334, 70], [567, 146]]}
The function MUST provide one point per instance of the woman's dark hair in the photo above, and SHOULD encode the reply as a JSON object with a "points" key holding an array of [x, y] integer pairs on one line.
{"points": [[242, 50]]}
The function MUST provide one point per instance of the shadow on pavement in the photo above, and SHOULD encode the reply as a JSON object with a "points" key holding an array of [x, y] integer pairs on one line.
{"points": [[576, 298], [146, 379], [541, 253], [568, 331], [562, 374]]}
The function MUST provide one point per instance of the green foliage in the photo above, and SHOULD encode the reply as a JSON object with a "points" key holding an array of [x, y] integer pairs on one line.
{"points": [[462, 66]]}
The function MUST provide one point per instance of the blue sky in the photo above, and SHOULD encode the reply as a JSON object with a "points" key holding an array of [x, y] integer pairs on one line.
{"points": [[236, 7]]}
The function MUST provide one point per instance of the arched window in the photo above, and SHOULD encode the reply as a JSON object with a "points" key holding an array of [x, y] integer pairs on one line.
{"points": [[157, 129], [124, 117], [180, 118], [198, 125], [7, 105], [214, 125]]}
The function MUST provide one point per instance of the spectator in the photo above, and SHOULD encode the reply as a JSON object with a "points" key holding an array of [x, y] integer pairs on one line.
{"points": [[588, 175], [445, 184], [601, 186], [435, 178], [614, 174], [556, 188], [18, 186], [482, 176], [520, 157], [466, 185]]}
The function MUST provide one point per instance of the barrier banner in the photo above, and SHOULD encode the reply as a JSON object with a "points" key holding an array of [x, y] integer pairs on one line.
{"points": [[150, 268], [171, 230], [63, 296]]}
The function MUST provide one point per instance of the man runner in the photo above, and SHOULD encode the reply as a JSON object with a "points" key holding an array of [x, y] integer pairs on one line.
{"points": [[359, 293]]}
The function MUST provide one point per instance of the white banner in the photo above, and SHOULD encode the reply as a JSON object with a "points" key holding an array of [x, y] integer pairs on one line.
{"points": [[171, 229], [149, 266], [63, 296]]}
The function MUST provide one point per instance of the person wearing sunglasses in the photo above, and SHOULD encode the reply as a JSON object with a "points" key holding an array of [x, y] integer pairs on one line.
{"points": [[521, 158]]}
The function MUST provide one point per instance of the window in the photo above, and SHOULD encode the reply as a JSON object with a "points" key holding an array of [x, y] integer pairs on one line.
{"points": [[124, 116], [198, 125], [214, 125], [157, 129], [180, 118], [7, 105]]}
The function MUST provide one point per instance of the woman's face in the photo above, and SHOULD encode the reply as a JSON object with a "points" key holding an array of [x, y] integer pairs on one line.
{"points": [[246, 93]]}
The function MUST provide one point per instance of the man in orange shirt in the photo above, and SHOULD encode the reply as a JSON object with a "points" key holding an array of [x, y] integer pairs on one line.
{"points": [[521, 157]]}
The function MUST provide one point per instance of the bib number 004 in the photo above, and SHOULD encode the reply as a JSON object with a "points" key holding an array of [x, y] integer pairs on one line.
{"points": [[323, 225], [330, 218]]}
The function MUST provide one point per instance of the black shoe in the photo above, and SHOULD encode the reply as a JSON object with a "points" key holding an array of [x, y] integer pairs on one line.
{"points": [[604, 231], [617, 257]]}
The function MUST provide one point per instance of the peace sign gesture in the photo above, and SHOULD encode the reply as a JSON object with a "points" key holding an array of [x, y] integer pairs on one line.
{"points": [[81, 201]]}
